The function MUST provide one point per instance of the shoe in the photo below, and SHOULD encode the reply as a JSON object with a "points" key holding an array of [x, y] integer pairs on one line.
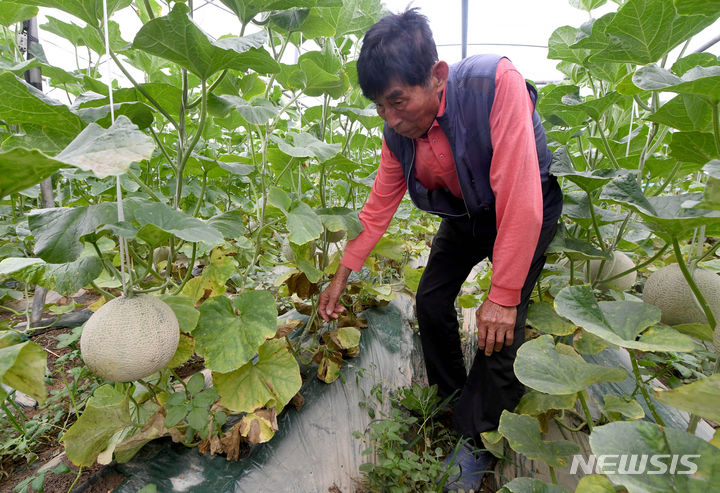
{"points": [[473, 466]]}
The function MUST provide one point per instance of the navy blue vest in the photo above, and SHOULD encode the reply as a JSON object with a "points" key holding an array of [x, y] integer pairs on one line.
{"points": [[466, 123]]}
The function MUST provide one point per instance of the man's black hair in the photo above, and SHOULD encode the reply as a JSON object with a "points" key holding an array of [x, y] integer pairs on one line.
{"points": [[398, 48]]}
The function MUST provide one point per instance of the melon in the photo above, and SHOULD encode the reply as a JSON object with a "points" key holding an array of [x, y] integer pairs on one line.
{"points": [[667, 289], [130, 338], [619, 263]]}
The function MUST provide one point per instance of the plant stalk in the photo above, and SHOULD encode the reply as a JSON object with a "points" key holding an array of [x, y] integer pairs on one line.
{"points": [[643, 389], [586, 410]]}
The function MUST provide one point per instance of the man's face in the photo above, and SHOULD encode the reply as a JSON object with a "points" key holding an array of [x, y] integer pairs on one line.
{"points": [[409, 110]]}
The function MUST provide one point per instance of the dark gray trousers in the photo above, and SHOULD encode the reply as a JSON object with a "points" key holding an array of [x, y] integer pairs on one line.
{"points": [[491, 385]]}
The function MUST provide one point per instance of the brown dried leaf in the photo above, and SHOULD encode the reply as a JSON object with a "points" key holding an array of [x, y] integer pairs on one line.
{"points": [[230, 443], [284, 329], [176, 435], [298, 401], [303, 308], [299, 284]]}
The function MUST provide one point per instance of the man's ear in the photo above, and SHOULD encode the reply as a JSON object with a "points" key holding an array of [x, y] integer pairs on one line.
{"points": [[440, 73]]}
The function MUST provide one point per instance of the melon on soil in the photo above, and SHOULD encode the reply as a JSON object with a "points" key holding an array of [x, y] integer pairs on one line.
{"points": [[667, 289], [130, 338], [619, 263]]}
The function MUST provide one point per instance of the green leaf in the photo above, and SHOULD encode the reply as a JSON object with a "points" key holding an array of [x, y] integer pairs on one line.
{"points": [[698, 81], [171, 221], [58, 231], [367, 117], [391, 248], [594, 483], [270, 382], [196, 383], [588, 343], [103, 151], [696, 330], [108, 152], [22, 168], [289, 20], [304, 225], [542, 317], [90, 11], [575, 249], [559, 370], [22, 104], [228, 341], [693, 147], [684, 112], [644, 439], [175, 414], [12, 13], [701, 397], [552, 108], [620, 322], [70, 277], [306, 145], [559, 46], [106, 413], [712, 186], [184, 351], [534, 403], [198, 418], [531, 485], [247, 9], [643, 31], [176, 38], [594, 108], [312, 273], [523, 435], [277, 197], [664, 214], [693, 7], [588, 181], [412, 279], [184, 310], [618, 405], [230, 224], [22, 367], [255, 112], [341, 219], [85, 36]]}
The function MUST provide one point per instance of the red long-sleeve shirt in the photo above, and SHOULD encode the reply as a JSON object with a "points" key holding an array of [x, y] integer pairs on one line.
{"points": [[514, 179]]}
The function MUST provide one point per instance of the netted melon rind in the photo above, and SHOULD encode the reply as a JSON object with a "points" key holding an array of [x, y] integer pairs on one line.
{"points": [[130, 338]]}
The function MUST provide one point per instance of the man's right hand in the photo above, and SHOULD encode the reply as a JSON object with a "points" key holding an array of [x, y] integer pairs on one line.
{"points": [[329, 306]]}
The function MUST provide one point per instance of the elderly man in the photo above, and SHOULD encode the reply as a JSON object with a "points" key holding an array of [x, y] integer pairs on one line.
{"points": [[467, 144]]}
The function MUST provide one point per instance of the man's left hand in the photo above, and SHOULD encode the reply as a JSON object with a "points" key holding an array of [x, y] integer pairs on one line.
{"points": [[495, 326]]}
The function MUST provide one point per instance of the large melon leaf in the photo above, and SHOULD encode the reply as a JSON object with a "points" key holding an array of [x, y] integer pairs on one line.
{"points": [[620, 322], [523, 435], [271, 381], [640, 439], [559, 370], [175, 37], [22, 367], [228, 340], [106, 413]]}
